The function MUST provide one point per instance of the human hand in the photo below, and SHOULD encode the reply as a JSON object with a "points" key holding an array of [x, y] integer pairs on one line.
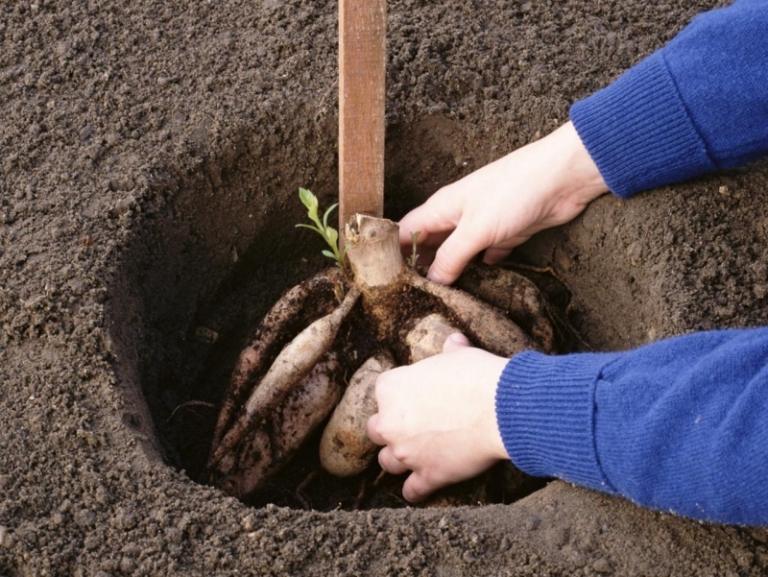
{"points": [[437, 418], [544, 184]]}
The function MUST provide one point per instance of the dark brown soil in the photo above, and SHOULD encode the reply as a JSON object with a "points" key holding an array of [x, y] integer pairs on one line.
{"points": [[147, 147]]}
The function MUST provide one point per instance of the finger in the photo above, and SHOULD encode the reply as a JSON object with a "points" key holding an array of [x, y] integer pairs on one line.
{"points": [[438, 215], [426, 247], [454, 342], [416, 488], [453, 255], [390, 463], [372, 429], [494, 255], [428, 240]]}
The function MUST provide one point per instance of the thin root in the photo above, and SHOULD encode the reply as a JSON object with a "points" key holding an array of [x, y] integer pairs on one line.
{"points": [[187, 405], [301, 489]]}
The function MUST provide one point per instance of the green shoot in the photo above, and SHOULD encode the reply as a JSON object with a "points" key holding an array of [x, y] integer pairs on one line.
{"points": [[414, 258], [329, 234]]}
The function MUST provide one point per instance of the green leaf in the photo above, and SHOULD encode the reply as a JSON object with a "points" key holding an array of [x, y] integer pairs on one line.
{"points": [[332, 237], [310, 227], [307, 198], [327, 214], [310, 201]]}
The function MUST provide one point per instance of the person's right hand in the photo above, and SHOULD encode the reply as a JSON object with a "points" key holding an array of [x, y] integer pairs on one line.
{"points": [[499, 206]]}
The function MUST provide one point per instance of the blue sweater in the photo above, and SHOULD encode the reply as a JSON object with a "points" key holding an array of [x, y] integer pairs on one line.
{"points": [[680, 425]]}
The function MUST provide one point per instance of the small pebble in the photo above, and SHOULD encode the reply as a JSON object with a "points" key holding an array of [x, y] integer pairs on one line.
{"points": [[127, 565], [532, 523], [160, 516], [760, 535], [126, 519], [602, 566], [123, 205], [559, 536], [87, 132], [206, 335], [102, 496], [634, 252], [174, 535], [92, 542], [85, 518], [248, 523]]}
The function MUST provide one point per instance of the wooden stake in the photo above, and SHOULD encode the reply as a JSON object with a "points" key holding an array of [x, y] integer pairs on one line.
{"points": [[362, 74]]}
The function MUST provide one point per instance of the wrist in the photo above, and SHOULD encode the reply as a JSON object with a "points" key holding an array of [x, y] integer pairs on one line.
{"points": [[577, 178], [545, 408], [495, 448]]}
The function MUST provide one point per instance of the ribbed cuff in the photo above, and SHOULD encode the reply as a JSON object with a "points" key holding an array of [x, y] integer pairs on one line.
{"points": [[638, 130], [545, 411]]}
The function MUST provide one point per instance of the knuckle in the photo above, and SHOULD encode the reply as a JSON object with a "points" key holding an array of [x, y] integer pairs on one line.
{"points": [[400, 453], [382, 429], [430, 478]]}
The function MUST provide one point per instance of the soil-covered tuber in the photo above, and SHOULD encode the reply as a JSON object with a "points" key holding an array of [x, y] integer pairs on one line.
{"points": [[254, 358], [345, 449], [264, 449], [428, 336]]}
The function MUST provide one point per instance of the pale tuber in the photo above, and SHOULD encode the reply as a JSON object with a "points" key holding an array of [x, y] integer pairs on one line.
{"points": [[345, 449]]}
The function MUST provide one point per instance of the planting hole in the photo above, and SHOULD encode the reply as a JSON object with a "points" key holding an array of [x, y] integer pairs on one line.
{"points": [[212, 255]]}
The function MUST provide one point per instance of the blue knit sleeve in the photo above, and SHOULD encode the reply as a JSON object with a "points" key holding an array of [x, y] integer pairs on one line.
{"points": [[697, 105], [680, 425]]}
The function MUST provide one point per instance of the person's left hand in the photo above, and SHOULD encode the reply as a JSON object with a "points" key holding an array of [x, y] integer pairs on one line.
{"points": [[437, 418]]}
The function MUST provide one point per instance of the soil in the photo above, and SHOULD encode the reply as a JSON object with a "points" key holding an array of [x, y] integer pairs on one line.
{"points": [[151, 148]]}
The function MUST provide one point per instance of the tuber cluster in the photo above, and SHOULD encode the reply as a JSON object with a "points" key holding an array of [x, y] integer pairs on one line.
{"points": [[280, 393]]}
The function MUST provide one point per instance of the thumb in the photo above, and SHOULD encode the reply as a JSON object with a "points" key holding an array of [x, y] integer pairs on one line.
{"points": [[455, 342], [454, 255]]}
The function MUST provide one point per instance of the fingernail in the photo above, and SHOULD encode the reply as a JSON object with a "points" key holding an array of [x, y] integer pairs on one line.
{"points": [[458, 339]]}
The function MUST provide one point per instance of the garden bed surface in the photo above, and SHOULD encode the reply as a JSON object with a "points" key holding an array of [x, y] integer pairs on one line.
{"points": [[150, 153]]}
